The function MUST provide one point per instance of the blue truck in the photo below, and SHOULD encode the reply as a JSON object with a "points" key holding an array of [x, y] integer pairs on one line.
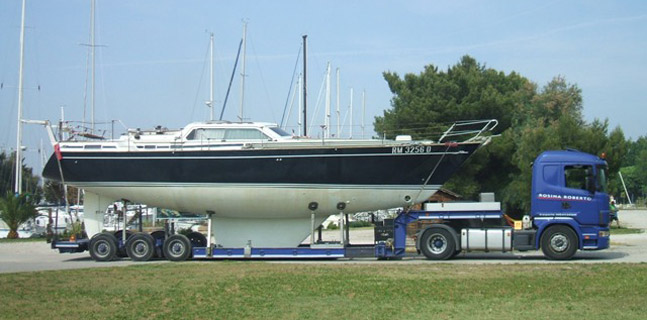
{"points": [[569, 212]]}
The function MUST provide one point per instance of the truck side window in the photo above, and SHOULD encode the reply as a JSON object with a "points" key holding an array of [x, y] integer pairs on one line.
{"points": [[575, 176]]}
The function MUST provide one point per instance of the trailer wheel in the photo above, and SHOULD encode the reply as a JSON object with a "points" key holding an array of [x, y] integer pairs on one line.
{"points": [[197, 239], [177, 247], [103, 247], [437, 244], [559, 243], [140, 247]]}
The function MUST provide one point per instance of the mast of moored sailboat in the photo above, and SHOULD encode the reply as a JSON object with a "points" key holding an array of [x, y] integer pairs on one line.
{"points": [[18, 184]]}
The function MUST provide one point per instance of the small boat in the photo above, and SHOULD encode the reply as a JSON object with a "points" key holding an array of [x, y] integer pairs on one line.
{"points": [[255, 179]]}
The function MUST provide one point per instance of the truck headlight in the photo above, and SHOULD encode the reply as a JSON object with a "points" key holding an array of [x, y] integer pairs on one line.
{"points": [[604, 234]]}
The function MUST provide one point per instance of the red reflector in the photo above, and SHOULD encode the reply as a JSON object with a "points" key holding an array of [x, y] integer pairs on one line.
{"points": [[587, 237], [57, 151]]}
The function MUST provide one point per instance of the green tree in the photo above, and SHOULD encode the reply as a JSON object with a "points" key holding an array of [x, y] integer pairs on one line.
{"points": [[530, 122], [30, 182], [16, 210], [426, 104]]}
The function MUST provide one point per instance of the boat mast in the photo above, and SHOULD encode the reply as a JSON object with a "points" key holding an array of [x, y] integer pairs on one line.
{"points": [[350, 107], [327, 118], [300, 103], [92, 49], [363, 110], [305, 87], [210, 102], [338, 112], [242, 73], [18, 185]]}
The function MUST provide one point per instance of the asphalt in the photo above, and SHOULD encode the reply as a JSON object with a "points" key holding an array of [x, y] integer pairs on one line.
{"points": [[38, 256]]}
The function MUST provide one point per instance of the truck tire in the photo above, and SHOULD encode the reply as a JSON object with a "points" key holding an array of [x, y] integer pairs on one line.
{"points": [[437, 244], [103, 247], [559, 242], [177, 247], [140, 246]]}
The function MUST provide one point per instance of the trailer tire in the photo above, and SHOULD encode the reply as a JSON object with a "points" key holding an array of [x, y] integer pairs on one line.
{"points": [[559, 242], [437, 244], [140, 247], [103, 247], [177, 247], [197, 239]]}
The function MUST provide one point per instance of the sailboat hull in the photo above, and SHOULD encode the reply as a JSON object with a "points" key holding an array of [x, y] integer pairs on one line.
{"points": [[249, 192]]}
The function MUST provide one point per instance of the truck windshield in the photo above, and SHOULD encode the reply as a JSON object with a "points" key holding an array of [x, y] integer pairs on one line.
{"points": [[602, 179]]}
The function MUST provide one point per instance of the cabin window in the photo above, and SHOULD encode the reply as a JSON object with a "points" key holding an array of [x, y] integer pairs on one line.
{"points": [[280, 132], [602, 178], [244, 134], [575, 176], [207, 134], [226, 134]]}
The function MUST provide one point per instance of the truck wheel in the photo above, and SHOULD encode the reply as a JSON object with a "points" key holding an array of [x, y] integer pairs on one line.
{"points": [[437, 244], [103, 247], [559, 243], [177, 247], [140, 247]]}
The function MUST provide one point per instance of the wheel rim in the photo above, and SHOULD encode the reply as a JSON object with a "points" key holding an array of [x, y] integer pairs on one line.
{"points": [[176, 248], [437, 243], [559, 242], [102, 249], [140, 248]]}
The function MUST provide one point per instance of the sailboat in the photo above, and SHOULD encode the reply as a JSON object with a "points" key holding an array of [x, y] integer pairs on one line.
{"points": [[258, 183]]}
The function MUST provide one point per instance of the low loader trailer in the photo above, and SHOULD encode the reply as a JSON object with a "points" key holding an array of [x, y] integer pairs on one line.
{"points": [[569, 212]]}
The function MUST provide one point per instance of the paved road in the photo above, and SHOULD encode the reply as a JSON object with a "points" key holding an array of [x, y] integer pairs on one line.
{"points": [[37, 256]]}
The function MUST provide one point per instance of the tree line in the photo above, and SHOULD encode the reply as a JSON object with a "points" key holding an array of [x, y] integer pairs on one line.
{"points": [[532, 119]]}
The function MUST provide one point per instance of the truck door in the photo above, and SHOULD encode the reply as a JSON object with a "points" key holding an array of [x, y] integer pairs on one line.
{"points": [[578, 201]]}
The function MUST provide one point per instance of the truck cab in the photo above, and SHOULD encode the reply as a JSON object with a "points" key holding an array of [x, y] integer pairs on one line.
{"points": [[569, 202]]}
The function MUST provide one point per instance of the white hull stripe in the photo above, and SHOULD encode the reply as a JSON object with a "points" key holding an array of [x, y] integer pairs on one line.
{"points": [[180, 157], [246, 185]]}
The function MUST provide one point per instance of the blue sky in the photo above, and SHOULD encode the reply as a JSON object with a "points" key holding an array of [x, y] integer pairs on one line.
{"points": [[151, 68]]}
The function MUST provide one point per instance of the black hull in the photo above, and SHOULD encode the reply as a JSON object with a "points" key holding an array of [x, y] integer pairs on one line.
{"points": [[358, 166]]}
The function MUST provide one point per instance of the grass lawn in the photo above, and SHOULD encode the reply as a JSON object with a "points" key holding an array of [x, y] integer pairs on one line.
{"points": [[5, 240], [258, 290], [624, 230]]}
